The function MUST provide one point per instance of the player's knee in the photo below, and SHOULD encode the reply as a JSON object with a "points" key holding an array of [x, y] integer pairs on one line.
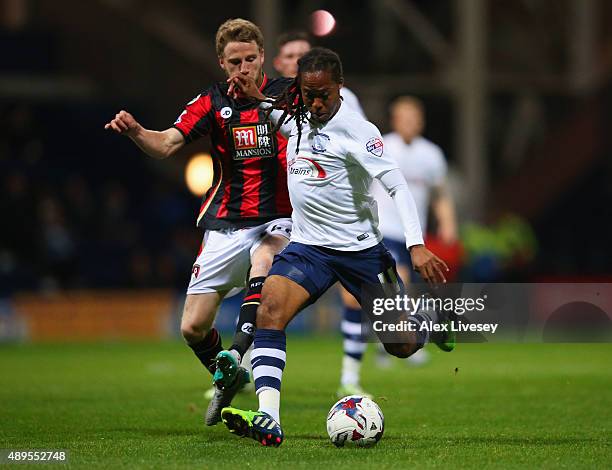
{"points": [[193, 332], [267, 316], [350, 301], [194, 328], [198, 317], [401, 350]]}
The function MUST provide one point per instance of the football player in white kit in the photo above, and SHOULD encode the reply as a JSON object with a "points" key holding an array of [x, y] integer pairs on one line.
{"points": [[423, 165], [292, 46], [333, 155]]}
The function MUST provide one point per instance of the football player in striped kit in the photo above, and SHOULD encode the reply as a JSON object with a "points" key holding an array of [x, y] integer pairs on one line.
{"points": [[245, 214], [333, 155]]}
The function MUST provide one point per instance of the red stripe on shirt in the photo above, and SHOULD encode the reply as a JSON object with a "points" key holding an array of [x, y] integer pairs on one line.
{"points": [[264, 82], [281, 195], [222, 148], [222, 212], [251, 173], [217, 168], [193, 113]]}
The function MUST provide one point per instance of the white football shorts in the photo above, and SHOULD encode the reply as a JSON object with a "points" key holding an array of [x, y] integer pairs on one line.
{"points": [[225, 257]]}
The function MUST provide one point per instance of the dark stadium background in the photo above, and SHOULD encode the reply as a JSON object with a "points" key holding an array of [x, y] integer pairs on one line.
{"points": [[97, 240], [517, 94]]}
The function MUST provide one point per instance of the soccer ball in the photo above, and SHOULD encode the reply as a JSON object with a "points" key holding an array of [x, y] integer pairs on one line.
{"points": [[355, 420]]}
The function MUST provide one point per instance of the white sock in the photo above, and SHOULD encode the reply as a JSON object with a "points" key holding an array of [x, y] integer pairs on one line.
{"points": [[246, 360], [269, 402], [350, 370]]}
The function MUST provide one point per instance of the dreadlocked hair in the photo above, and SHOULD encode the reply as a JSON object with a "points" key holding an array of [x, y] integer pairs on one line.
{"points": [[318, 59]]}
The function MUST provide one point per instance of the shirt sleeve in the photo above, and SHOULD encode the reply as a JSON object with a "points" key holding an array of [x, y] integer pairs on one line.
{"points": [[196, 119], [365, 145], [394, 183], [367, 148]]}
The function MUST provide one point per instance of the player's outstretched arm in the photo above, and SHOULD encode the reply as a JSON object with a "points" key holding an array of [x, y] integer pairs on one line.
{"points": [[428, 265], [157, 144], [368, 149]]}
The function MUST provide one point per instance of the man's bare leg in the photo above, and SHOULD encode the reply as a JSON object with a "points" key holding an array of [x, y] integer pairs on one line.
{"points": [[261, 262], [196, 326], [229, 376], [281, 300]]}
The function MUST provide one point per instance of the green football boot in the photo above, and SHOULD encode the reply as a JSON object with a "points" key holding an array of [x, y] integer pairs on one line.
{"points": [[224, 394], [226, 369], [257, 425], [445, 340]]}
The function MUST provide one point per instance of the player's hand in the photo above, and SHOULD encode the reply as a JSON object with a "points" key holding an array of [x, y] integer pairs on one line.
{"points": [[428, 265], [243, 86], [123, 123]]}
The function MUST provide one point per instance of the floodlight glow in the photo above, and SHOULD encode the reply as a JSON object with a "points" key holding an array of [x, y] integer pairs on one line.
{"points": [[199, 174], [322, 23]]}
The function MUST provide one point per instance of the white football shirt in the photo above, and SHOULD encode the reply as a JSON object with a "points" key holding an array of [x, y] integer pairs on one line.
{"points": [[423, 165], [329, 181]]}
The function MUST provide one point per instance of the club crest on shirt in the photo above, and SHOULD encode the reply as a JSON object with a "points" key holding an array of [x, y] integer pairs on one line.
{"points": [[252, 140], [195, 271], [319, 143], [375, 146]]}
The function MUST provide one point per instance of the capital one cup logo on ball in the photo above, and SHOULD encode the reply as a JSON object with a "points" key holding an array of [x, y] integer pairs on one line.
{"points": [[355, 420]]}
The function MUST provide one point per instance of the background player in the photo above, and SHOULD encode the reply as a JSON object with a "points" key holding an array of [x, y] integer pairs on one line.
{"points": [[291, 46], [334, 155], [424, 167], [245, 214]]}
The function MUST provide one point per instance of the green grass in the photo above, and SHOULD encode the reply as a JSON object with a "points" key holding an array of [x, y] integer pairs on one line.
{"points": [[140, 406]]}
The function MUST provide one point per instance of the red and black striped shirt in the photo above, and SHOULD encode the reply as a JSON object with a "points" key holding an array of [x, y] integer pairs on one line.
{"points": [[250, 167]]}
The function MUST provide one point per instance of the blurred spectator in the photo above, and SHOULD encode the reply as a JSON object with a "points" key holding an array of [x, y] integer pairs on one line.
{"points": [[78, 228], [58, 246]]}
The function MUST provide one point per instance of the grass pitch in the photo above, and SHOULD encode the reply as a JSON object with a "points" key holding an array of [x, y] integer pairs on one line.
{"points": [[484, 405]]}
